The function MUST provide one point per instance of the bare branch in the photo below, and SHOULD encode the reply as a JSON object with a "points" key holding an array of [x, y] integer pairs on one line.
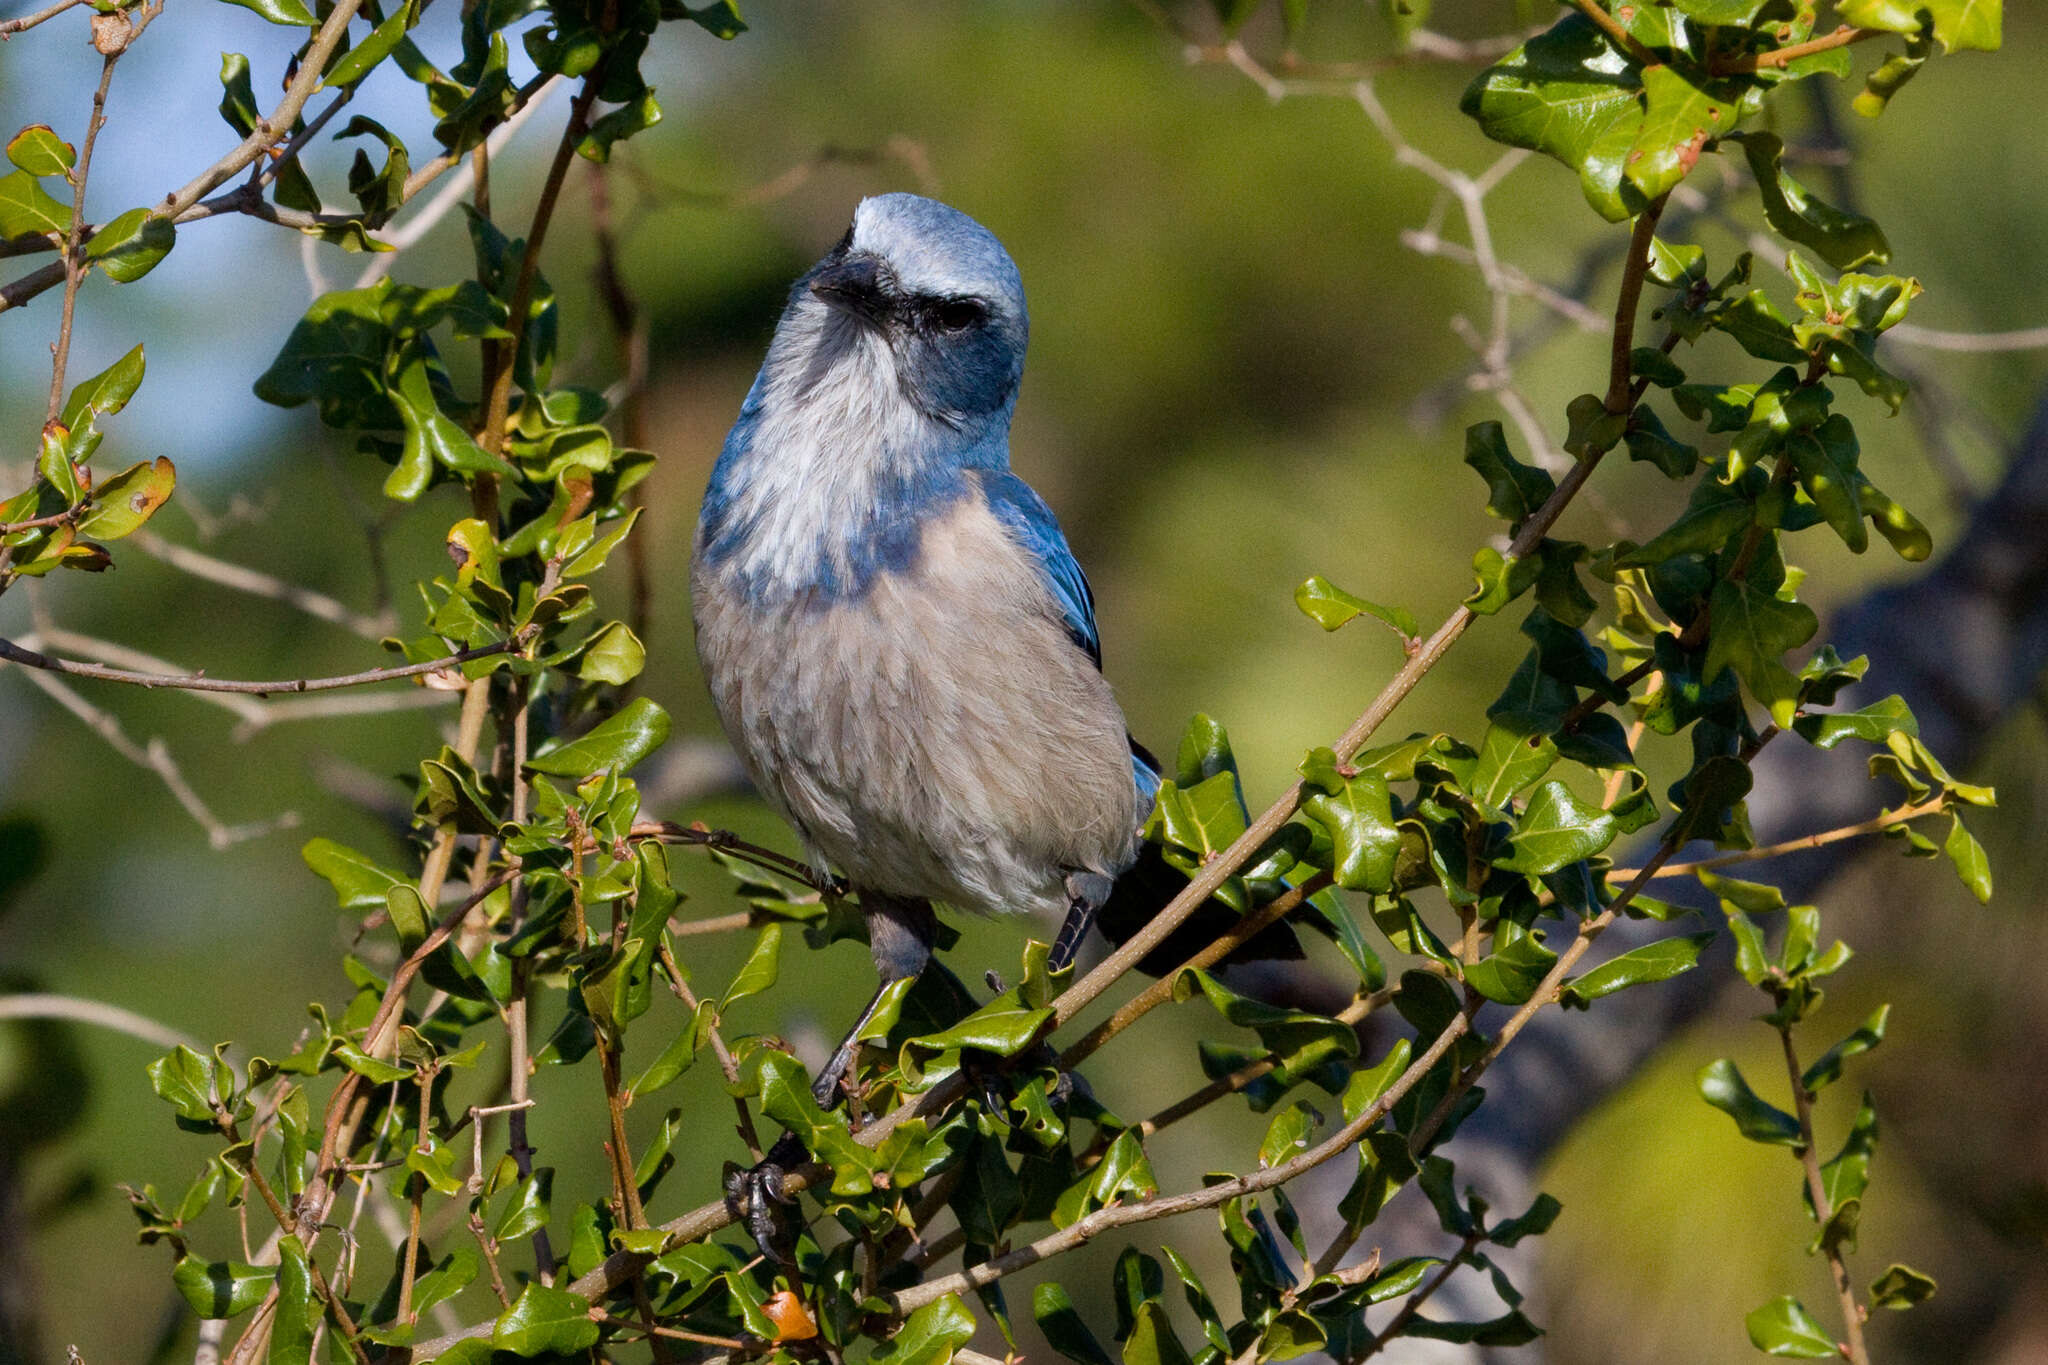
{"points": [[98, 1013], [10, 27], [257, 583], [199, 682], [157, 758]]}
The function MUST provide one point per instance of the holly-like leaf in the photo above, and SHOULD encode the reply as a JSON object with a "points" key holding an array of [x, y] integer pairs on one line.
{"points": [[639, 728], [1329, 606], [1783, 1327], [1844, 240], [1752, 630], [544, 1321], [1901, 1286], [1721, 1085], [1554, 830], [1513, 490], [27, 208], [1659, 961]]}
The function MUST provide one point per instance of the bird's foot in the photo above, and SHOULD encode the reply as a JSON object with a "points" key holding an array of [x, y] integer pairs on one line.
{"points": [[757, 1197]]}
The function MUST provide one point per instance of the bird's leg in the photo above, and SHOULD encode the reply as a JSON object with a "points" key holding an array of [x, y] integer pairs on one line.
{"points": [[900, 936], [1086, 891]]}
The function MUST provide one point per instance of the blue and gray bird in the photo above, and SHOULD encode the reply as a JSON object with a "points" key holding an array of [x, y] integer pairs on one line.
{"points": [[900, 645]]}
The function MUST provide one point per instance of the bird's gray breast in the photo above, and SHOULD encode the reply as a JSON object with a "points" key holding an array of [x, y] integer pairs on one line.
{"points": [[939, 735]]}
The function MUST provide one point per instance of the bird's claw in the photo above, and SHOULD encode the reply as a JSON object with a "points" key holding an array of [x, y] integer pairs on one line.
{"points": [[758, 1197]]}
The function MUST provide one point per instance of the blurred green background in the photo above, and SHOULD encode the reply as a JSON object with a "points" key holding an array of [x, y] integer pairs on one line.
{"points": [[1238, 376]]}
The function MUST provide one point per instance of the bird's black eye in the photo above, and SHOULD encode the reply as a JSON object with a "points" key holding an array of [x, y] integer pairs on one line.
{"points": [[957, 315]]}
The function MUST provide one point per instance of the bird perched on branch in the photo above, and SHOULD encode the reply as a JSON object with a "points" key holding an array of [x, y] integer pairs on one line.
{"points": [[900, 645], [898, 640]]}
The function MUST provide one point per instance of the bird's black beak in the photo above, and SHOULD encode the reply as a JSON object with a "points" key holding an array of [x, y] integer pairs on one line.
{"points": [[854, 285]]}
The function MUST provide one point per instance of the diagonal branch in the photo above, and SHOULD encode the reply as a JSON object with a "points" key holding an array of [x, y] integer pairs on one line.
{"points": [[199, 682]]}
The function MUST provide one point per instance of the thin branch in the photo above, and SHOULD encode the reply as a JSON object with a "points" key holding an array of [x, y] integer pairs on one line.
{"points": [[10, 27], [1853, 1348], [269, 131], [1934, 339], [1790, 53], [260, 584], [449, 195], [1874, 825], [156, 757], [96, 1012], [199, 682], [73, 261], [1611, 26]]}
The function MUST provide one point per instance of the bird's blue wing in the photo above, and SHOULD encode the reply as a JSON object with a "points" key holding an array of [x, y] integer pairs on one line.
{"points": [[1027, 517]]}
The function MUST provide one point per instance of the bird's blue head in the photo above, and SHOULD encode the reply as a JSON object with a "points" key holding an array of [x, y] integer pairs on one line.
{"points": [[938, 290], [893, 372]]}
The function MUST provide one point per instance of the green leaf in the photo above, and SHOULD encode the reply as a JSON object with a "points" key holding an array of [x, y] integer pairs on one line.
{"points": [[545, 1321], [929, 1336], [130, 246], [1751, 632], [1967, 854], [636, 115], [280, 11], [1053, 1310], [758, 972], [527, 1213], [359, 883], [1847, 1175], [106, 392], [1555, 830], [1721, 1085], [1403, 1276], [1287, 1134], [1825, 461], [221, 1289], [1513, 971], [123, 503], [1871, 724], [358, 61], [639, 728], [299, 1308], [1828, 1069], [1357, 815], [1844, 240], [1659, 961], [1514, 490], [1713, 513], [1570, 94], [1679, 117], [185, 1080], [1783, 1327], [1533, 1223], [38, 150], [1329, 606], [27, 208], [1901, 1286]]}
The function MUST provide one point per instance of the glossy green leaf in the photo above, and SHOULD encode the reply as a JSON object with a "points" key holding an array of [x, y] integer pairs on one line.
{"points": [[1752, 631], [757, 974], [129, 247], [637, 730], [527, 1213], [1828, 1068], [299, 1307], [1824, 460], [1329, 606], [221, 1289], [1967, 855], [1356, 813], [125, 502], [1844, 240], [38, 150], [544, 1321], [1512, 972], [1721, 1085], [1901, 1286], [1554, 830], [106, 392], [291, 12], [1659, 961], [1062, 1326], [27, 208], [930, 1336], [1783, 1327], [1513, 490], [1871, 724], [356, 63], [1287, 1134]]}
